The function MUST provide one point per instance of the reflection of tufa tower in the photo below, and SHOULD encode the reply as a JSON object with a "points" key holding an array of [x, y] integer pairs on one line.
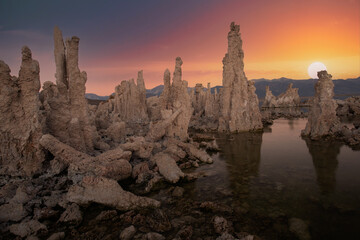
{"points": [[239, 104], [325, 161], [243, 156]]}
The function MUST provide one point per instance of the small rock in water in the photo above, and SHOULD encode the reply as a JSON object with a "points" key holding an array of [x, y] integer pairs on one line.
{"points": [[178, 192], [299, 228]]}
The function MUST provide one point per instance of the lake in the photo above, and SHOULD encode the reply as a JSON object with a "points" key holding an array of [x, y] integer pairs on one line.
{"points": [[271, 177]]}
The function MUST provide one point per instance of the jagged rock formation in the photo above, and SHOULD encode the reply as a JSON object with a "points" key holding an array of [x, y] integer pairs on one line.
{"points": [[322, 120], [270, 99], [65, 106], [125, 112], [20, 128], [173, 98], [108, 192], [211, 103], [238, 101], [290, 98], [349, 107], [198, 98], [111, 164], [130, 100]]}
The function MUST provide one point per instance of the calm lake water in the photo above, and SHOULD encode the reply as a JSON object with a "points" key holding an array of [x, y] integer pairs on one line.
{"points": [[273, 176]]}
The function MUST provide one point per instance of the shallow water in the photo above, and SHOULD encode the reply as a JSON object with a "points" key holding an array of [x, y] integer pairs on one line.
{"points": [[273, 176]]}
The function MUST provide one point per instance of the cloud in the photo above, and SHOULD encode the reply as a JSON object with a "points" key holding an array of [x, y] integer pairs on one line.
{"points": [[28, 34]]}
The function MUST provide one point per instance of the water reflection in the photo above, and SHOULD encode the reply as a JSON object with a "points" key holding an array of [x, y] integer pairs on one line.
{"points": [[324, 156], [242, 154]]}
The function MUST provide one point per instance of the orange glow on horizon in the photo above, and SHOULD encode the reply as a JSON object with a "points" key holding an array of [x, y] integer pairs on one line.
{"points": [[280, 39]]}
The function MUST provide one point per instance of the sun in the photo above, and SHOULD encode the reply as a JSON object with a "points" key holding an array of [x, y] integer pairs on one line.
{"points": [[314, 68]]}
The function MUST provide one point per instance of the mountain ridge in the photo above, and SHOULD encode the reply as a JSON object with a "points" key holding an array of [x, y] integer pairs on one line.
{"points": [[342, 89]]}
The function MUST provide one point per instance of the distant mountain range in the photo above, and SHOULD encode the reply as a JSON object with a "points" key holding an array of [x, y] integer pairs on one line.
{"points": [[343, 88]]}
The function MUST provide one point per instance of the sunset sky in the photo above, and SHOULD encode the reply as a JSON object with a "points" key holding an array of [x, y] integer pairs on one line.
{"points": [[281, 38]]}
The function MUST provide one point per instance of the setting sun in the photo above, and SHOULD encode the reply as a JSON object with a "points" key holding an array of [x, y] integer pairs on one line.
{"points": [[314, 68]]}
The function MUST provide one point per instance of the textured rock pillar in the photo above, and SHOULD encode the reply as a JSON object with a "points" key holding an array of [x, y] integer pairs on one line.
{"points": [[239, 111], [66, 109], [173, 98], [322, 120], [20, 129]]}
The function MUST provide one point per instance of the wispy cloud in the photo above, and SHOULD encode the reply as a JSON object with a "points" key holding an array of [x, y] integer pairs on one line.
{"points": [[28, 34]]}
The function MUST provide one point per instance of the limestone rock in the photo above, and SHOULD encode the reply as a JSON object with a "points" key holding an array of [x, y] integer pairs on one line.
{"points": [[128, 233], [139, 146], [116, 132], [221, 225], [168, 168], [238, 101], [65, 107], [20, 128], [112, 164], [290, 98], [27, 228], [153, 107], [227, 236], [57, 236], [322, 120], [153, 236], [349, 107], [299, 228], [71, 215], [12, 212], [158, 130], [198, 99], [195, 153], [108, 192], [174, 97], [130, 100], [270, 99], [211, 103]]}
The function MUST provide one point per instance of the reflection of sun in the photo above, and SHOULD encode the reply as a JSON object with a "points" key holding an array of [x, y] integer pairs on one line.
{"points": [[314, 68]]}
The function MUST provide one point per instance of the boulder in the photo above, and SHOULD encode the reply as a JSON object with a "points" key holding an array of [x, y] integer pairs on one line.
{"points": [[168, 168], [107, 192]]}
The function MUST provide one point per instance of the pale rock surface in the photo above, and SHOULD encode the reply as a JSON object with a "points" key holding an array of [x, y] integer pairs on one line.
{"points": [[270, 99], [158, 130], [153, 236], [71, 215], [349, 107], [221, 225], [211, 103], [198, 99], [128, 233], [130, 100], [117, 132], [322, 120], [57, 236], [290, 98], [27, 228], [174, 97], [168, 168], [65, 107], [112, 164], [107, 192], [139, 146], [238, 101], [12, 212], [20, 128]]}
